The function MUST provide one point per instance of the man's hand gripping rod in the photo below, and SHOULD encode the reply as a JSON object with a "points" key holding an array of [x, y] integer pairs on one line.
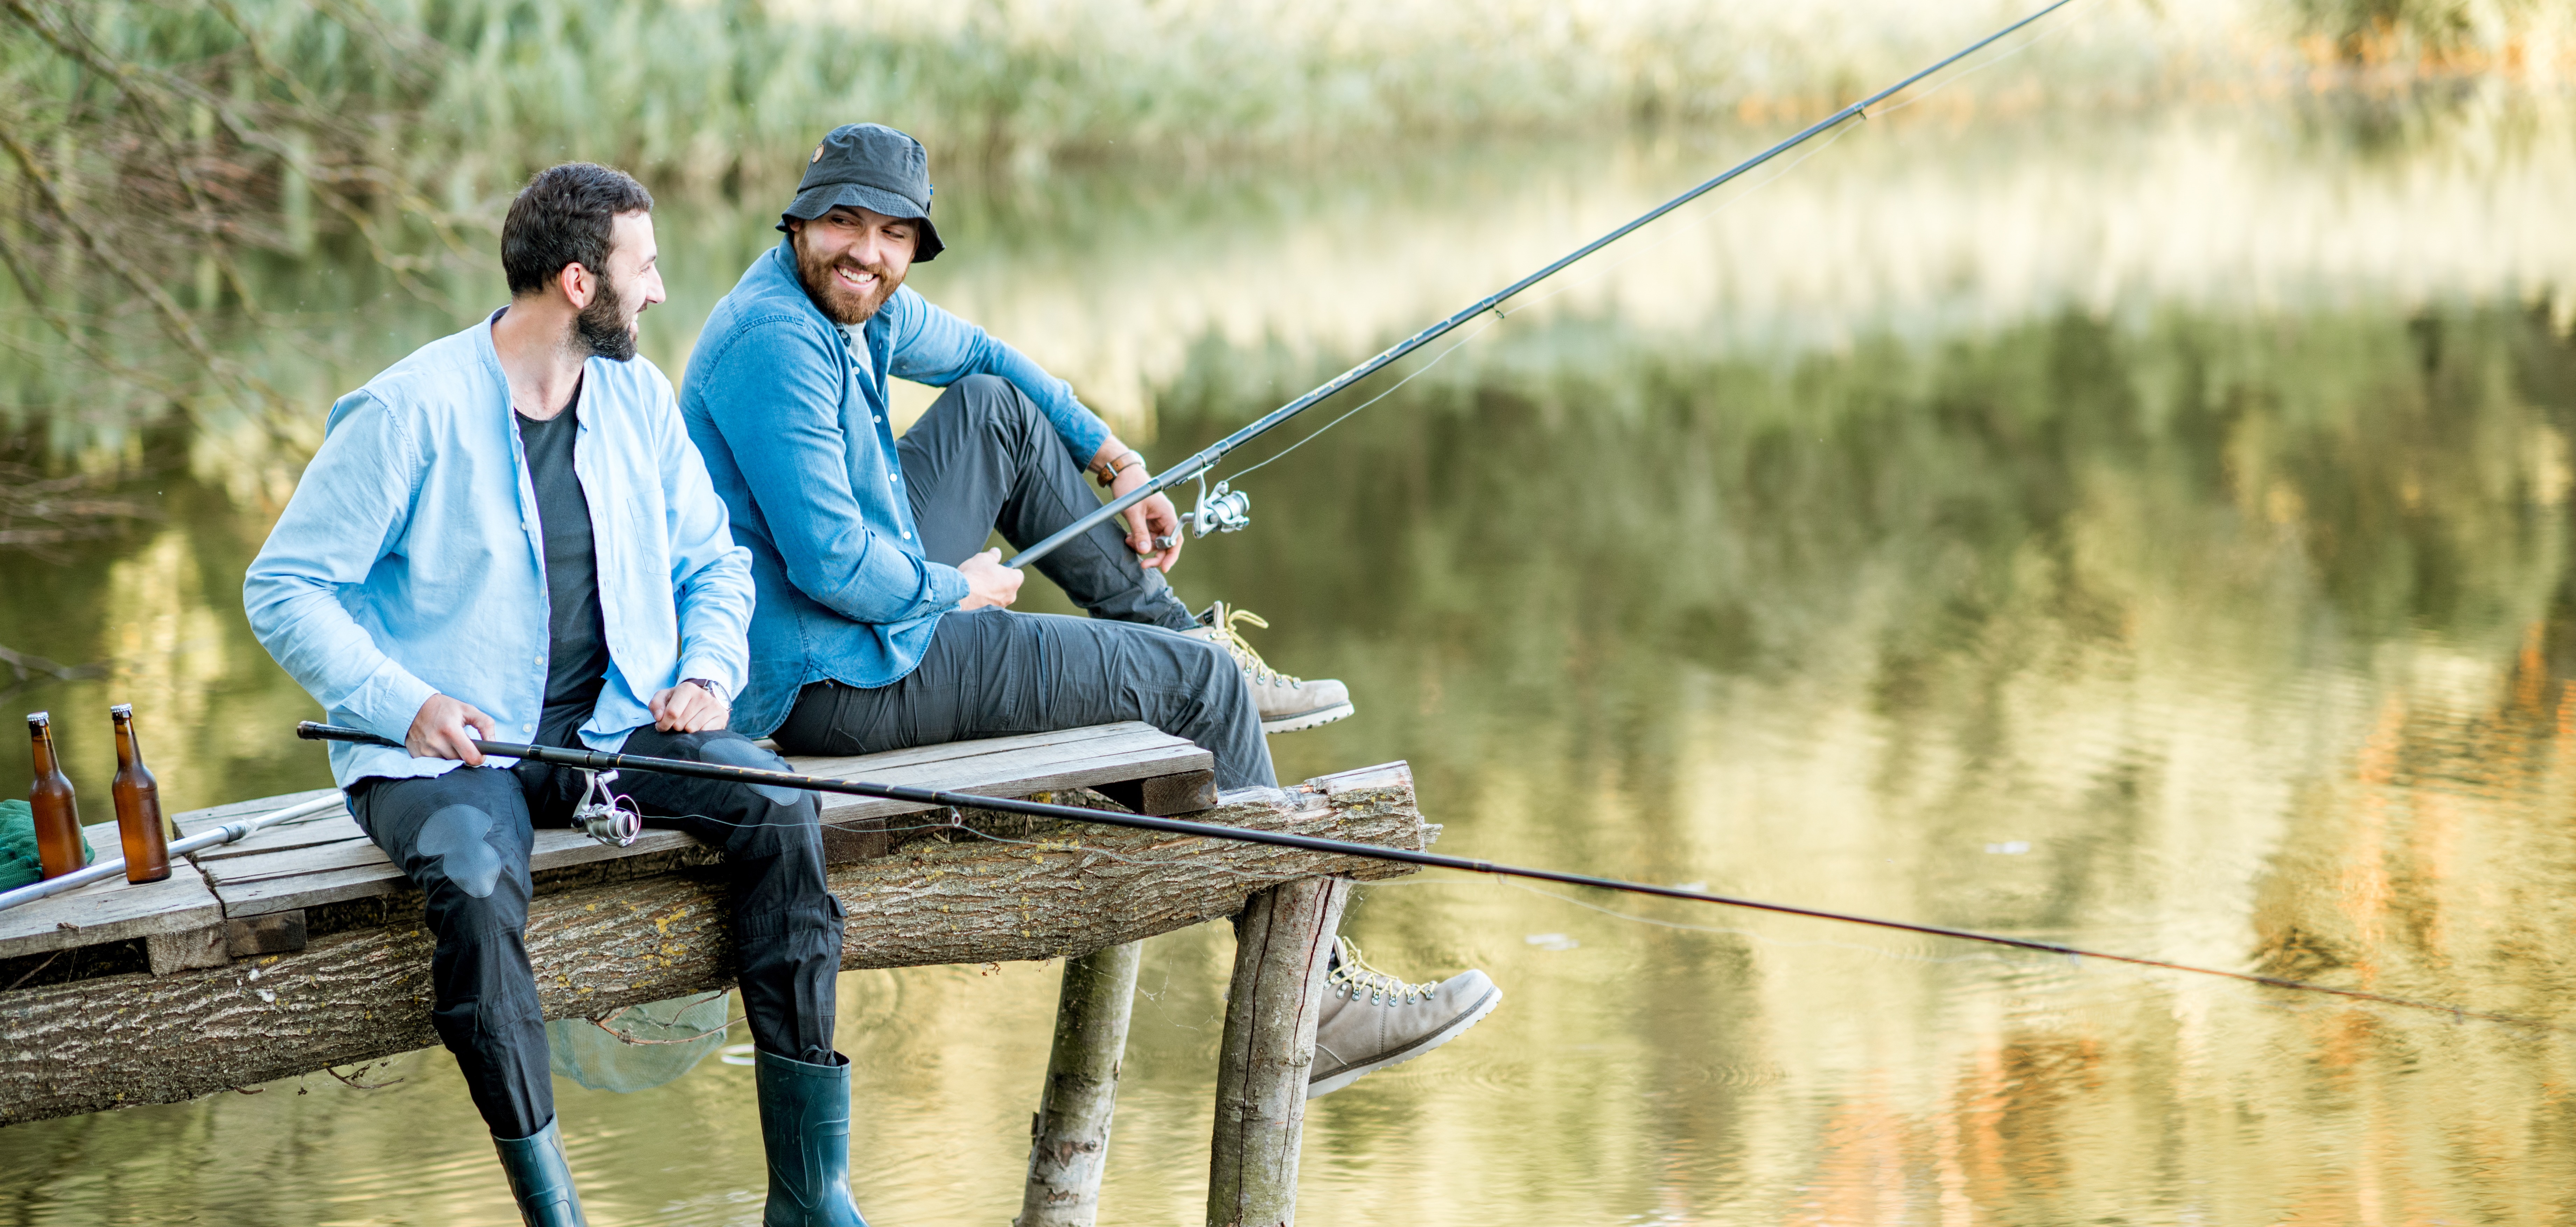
{"points": [[1207, 458]]}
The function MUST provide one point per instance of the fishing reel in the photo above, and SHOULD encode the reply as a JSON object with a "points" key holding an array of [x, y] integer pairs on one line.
{"points": [[1224, 511], [608, 817]]}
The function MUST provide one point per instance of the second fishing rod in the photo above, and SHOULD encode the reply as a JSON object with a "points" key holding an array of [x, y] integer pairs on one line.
{"points": [[1226, 510], [615, 828]]}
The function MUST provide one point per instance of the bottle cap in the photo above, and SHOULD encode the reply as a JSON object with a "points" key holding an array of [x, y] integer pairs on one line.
{"points": [[39, 717], [122, 711]]}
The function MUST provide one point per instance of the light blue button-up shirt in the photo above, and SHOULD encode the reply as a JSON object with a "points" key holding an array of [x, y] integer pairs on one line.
{"points": [[410, 561], [793, 426]]}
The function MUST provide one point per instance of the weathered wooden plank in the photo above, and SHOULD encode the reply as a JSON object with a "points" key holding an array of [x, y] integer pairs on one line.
{"points": [[1060, 892], [299, 869], [196, 820], [111, 911], [1036, 764], [851, 766], [308, 890], [194, 948], [1184, 793], [327, 860], [294, 862], [337, 828], [1033, 777], [275, 933]]}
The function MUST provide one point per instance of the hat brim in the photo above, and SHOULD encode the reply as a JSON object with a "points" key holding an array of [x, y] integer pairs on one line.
{"points": [[822, 198]]}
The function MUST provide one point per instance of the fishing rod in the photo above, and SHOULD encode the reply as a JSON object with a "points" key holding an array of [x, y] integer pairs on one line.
{"points": [[1228, 510], [230, 832], [600, 761]]}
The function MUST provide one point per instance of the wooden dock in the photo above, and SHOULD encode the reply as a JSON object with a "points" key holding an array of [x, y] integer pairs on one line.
{"points": [[302, 947]]}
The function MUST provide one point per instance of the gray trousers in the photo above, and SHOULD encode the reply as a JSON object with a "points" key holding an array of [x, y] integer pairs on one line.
{"points": [[984, 458]]}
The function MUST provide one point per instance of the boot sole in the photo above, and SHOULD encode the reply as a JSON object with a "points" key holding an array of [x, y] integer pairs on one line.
{"points": [[1321, 1087], [1307, 719]]}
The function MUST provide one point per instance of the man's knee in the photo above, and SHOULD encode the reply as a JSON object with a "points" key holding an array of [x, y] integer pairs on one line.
{"points": [[1212, 670], [771, 821], [992, 402], [462, 848], [731, 749], [479, 921]]}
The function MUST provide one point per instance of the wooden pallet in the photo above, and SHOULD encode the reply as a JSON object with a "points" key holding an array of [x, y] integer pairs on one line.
{"points": [[249, 898]]}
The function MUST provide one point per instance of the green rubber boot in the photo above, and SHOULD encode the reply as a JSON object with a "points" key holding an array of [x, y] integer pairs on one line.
{"points": [[805, 1126], [540, 1180]]}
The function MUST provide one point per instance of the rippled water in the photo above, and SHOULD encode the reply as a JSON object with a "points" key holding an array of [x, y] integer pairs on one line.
{"points": [[2149, 533]]}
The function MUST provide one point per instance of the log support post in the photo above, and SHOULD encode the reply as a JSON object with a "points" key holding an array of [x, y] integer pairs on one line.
{"points": [[1283, 940], [1069, 1137]]}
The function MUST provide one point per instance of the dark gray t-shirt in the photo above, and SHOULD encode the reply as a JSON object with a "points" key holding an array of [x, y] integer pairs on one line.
{"points": [[577, 649]]}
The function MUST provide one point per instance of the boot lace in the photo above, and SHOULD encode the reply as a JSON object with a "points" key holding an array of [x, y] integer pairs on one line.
{"points": [[1221, 619], [1351, 976]]}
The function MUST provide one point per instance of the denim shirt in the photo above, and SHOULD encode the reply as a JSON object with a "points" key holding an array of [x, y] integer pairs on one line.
{"points": [[410, 561], [793, 427]]}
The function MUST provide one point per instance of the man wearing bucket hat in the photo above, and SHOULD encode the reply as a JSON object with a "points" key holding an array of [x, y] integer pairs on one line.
{"points": [[839, 504], [882, 622]]}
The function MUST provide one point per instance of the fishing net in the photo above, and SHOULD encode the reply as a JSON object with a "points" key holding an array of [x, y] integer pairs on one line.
{"points": [[661, 1041], [19, 864]]}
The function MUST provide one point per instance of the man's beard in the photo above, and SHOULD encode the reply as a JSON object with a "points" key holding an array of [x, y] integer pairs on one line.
{"points": [[838, 303], [605, 326]]}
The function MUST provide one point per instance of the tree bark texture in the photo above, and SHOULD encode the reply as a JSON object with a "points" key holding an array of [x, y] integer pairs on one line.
{"points": [[1282, 939], [1069, 1139], [1030, 889]]}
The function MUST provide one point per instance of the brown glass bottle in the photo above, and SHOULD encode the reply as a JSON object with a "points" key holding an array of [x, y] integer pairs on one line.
{"points": [[138, 805], [58, 833]]}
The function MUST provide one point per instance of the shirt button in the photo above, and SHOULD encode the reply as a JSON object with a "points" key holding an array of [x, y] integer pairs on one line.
{"points": [[894, 477], [527, 728], [907, 536]]}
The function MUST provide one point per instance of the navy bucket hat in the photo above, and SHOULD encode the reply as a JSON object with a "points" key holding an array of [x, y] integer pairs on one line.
{"points": [[873, 167]]}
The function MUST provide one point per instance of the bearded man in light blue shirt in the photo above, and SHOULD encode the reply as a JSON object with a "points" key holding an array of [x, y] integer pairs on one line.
{"points": [[883, 622], [508, 536]]}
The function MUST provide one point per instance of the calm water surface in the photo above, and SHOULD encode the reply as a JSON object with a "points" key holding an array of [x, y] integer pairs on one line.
{"points": [[2144, 533]]}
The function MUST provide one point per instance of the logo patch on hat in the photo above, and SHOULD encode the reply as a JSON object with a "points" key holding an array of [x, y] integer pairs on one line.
{"points": [[818, 156]]}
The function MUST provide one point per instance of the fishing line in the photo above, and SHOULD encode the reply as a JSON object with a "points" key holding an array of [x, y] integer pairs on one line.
{"points": [[1682, 227], [1676, 231], [2139, 975], [598, 761], [1499, 315], [1897, 956], [1207, 458], [1454, 347], [2062, 27]]}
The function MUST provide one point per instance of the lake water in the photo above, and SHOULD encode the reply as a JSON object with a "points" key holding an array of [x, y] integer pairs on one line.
{"points": [[2147, 532]]}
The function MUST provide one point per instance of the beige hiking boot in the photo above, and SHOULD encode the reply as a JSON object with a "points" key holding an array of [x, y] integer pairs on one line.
{"points": [[1287, 704], [1372, 1020]]}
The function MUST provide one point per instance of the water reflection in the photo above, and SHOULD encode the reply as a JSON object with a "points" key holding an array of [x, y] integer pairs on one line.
{"points": [[2198, 597]]}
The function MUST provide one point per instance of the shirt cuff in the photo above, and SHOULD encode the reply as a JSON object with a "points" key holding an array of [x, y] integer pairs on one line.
{"points": [[388, 700], [947, 586], [721, 673], [1082, 431]]}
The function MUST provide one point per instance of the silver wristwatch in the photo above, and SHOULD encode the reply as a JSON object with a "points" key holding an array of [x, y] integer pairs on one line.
{"points": [[711, 688]]}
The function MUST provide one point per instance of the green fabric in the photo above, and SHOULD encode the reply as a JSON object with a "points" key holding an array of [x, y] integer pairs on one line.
{"points": [[19, 864]]}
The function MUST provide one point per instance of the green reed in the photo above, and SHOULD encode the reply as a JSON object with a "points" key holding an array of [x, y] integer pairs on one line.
{"points": [[164, 169]]}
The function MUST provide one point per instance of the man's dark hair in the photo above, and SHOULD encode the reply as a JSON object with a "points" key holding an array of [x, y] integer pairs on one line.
{"points": [[563, 217]]}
